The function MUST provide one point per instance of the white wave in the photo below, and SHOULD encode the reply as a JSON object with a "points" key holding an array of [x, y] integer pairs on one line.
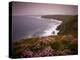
{"points": [[47, 32]]}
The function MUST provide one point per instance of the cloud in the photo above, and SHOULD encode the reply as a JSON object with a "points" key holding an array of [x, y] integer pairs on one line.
{"points": [[26, 8]]}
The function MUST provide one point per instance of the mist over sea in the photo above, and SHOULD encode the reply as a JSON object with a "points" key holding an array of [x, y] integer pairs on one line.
{"points": [[32, 26]]}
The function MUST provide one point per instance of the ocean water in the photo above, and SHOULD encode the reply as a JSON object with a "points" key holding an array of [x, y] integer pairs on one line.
{"points": [[28, 27]]}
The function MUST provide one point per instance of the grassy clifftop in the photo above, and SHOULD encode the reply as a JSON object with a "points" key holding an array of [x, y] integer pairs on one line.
{"points": [[65, 43], [45, 46], [69, 25], [59, 17]]}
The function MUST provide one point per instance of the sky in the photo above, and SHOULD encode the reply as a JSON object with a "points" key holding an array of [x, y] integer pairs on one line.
{"points": [[28, 8]]}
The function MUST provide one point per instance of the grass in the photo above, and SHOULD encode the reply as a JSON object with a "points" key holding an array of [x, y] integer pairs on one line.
{"points": [[69, 23], [65, 43], [58, 43]]}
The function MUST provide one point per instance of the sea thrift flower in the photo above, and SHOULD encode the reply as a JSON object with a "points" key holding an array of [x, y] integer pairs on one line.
{"points": [[26, 53]]}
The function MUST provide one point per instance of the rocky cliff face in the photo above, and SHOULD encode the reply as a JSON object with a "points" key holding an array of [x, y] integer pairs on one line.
{"points": [[69, 25]]}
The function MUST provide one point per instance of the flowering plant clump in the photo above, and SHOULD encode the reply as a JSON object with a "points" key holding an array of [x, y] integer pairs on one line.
{"points": [[45, 46]]}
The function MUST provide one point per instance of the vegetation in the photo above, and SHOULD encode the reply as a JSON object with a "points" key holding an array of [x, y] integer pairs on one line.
{"points": [[45, 46], [65, 43], [69, 25]]}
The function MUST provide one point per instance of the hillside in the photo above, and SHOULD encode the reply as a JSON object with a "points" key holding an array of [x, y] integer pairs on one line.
{"points": [[45, 46], [69, 25], [65, 43]]}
